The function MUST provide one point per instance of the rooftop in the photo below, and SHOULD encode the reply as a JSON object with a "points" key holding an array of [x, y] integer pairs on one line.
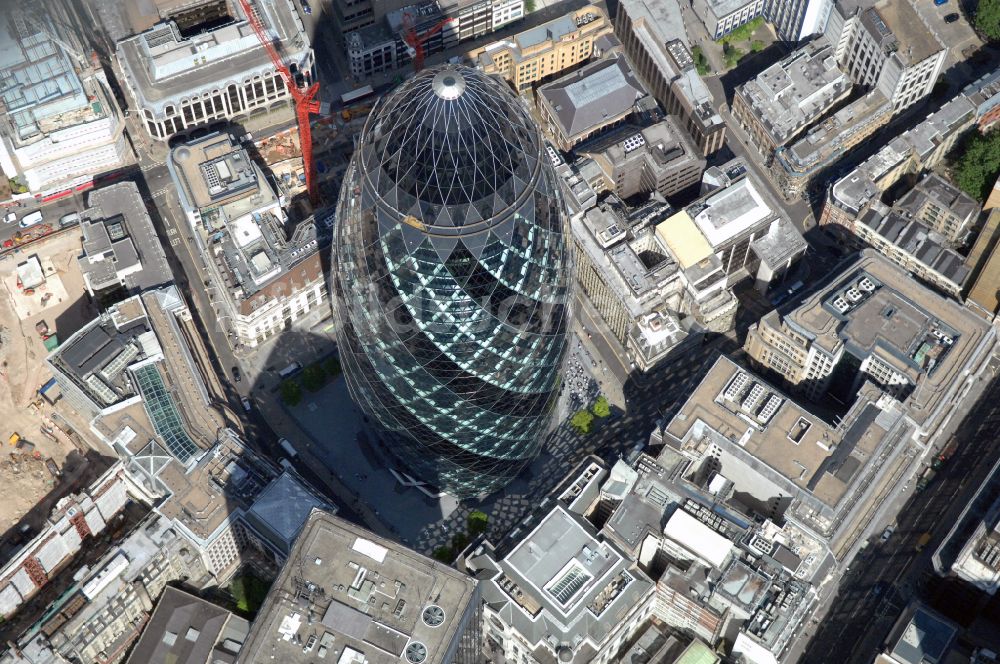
{"points": [[120, 243], [925, 336], [770, 427], [922, 637], [795, 92], [161, 66], [349, 595], [565, 586], [185, 629], [240, 216], [927, 247], [664, 142], [824, 143], [730, 212], [915, 40], [96, 357], [593, 95], [935, 190]]}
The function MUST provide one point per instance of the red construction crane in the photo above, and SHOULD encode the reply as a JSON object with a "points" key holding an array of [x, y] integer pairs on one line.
{"points": [[304, 99], [416, 41]]}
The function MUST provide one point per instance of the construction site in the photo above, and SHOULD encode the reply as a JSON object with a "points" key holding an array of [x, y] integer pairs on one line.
{"points": [[43, 299]]}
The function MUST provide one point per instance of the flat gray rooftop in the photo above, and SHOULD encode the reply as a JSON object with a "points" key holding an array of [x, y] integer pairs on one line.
{"points": [[350, 591], [591, 96]]}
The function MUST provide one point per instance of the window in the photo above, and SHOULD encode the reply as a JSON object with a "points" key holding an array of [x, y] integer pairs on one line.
{"points": [[567, 585]]}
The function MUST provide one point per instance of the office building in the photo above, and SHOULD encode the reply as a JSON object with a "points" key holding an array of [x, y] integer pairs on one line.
{"points": [[637, 160], [589, 101], [652, 34], [120, 247], [803, 162], [874, 323], [786, 98], [60, 125], [198, 68], [462, 390], [914, 246], [726, 568], [382, 46], [943, 207], [348, 595], [556, 590], [185, 629], [887, 46], [737, 222], [267, 269], [653, 305], [921, 148], [723, 16], [546, 50]]}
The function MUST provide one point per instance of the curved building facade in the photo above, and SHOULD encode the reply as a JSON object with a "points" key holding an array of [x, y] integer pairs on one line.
{"points": [[452, 279]]}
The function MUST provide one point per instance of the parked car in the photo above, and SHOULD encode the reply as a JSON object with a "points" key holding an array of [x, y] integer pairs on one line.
{"points": [[69, 219], [237, 376], [887, 533], [306, 8], [951, 18], [246, 404], [940, 2], [31, 219], [10, 218]]}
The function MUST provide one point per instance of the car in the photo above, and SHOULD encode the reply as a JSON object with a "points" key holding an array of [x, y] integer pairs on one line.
{"points": [[306, 8], [940, 2], [246, 404], [10, 218], [951, 18], [887, 533], [69, 219], [237, 376]]}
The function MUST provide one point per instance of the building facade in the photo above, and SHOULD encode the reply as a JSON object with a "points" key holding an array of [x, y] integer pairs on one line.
{"points": [[177, 83], [459, 369], [722, 17], [546, 50]]}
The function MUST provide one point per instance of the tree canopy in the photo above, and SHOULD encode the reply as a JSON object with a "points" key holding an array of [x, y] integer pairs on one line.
{"points": [[988, 19], [581, 421], [291, 393], [601, 407], [977, 167]]}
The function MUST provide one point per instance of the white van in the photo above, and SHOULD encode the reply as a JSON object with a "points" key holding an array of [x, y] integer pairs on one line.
{"points": [[31, 219]]}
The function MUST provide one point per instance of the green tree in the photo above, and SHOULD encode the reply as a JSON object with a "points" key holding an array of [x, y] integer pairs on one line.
{"points": [[529, 6], [458, 542], [332, 366], [701, 63], [313, 377], [987, 19], [978, 163], [16, 187], [582, 421], [477, 522], [443, 554], [756, 46], [601, 407], [291, 393]]}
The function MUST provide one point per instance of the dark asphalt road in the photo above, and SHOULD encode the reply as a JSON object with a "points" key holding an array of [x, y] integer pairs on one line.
{"points": [[885, 577]]}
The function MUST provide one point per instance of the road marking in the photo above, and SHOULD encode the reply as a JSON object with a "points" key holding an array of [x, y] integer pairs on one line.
{"points": [[174, 242]]}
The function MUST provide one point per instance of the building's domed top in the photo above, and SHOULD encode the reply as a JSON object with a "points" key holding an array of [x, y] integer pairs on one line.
{"points": [[452, 150]]}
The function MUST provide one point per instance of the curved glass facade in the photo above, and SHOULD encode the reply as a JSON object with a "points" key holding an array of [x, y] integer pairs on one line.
{"points": [[452, 279]]}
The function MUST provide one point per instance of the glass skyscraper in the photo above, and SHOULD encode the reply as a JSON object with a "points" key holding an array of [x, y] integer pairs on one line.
{"points": [[452, 279]]}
